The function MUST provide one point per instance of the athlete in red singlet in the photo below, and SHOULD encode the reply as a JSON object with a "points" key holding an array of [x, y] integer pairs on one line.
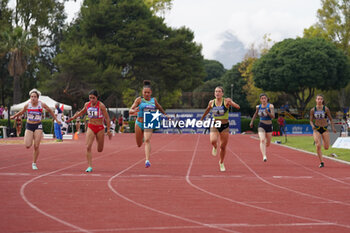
{"points": [[97, 112]]}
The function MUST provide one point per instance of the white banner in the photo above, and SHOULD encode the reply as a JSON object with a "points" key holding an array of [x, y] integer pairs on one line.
{"points": [[342, 142]]}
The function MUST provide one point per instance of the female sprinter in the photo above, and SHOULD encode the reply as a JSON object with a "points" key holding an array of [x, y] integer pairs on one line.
{"points": [[34, 127], [96, 111], [140, 105], [220, 107], [320, 114], [266, 112]]}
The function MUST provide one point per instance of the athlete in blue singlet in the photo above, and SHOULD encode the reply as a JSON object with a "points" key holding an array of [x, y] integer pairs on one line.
{"points": [[141, 105], [319, 114], [266, 113]]}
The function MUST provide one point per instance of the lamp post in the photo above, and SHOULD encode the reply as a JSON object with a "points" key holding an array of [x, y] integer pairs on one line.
{"points": [[231, 94]]}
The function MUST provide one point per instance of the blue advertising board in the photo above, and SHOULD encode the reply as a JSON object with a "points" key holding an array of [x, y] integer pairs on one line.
{"points": [[298, 129]]}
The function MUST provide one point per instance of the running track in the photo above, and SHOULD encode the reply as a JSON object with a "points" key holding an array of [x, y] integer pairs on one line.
{"points": [[183, 191]]}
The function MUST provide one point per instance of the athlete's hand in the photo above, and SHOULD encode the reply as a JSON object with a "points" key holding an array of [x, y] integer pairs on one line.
{"points": [[237, 106], [137, 109], [109, 133], [251, 125], [69, 120], [58, 122], [334, 131], [12, 117], [169, 118]]}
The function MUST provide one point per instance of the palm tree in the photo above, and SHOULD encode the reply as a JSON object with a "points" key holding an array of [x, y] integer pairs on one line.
{"points": [[18, 46]]}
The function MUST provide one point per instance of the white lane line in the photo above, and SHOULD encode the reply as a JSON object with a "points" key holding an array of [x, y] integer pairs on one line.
{"points": [[23, 187], [155, 210], [292, 177], [246, 204], [165, 228], [309, 169]]}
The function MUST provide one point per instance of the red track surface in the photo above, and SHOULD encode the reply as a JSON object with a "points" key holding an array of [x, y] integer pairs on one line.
{"points": [[183, 191]]}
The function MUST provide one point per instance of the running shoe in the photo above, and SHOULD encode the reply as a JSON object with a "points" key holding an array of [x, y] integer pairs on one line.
{"points": [[321, 164], [34, 167], [222, 167], [89, 169], [147, 164], [213, 152], [265, 159]]}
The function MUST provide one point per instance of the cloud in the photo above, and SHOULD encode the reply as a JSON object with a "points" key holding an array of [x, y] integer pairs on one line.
{"points": [[231, 51]]}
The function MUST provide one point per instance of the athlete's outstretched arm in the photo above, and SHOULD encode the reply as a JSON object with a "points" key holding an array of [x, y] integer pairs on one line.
{"points": [[78, 114], [208, 109], [330, 119], [160, 107], [230, 102], [134, 107], [51, 113], [312, 111], [254, 116], [108, 121], [20, 112]]}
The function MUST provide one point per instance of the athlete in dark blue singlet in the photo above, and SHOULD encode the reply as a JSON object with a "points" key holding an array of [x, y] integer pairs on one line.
{"points": [[319, 114], [266, 113]]}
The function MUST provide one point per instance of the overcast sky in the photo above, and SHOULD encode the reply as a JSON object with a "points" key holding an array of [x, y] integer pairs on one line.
{"points": [[225, 28]]}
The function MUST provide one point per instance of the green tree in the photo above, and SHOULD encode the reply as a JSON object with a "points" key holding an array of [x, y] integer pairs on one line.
{"points": [[204, 93], [19, 47], [214, 69], [334, 25], [114, 45], [158, 5], [300, 66], [234, 81], [5, 25]]}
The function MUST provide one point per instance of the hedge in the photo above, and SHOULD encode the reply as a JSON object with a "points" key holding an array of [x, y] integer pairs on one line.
{"points": [[47, 125]]}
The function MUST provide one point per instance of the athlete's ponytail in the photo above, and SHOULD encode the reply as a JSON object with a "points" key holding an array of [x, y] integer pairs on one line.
{"points": [[147, 84], [93, 92]]}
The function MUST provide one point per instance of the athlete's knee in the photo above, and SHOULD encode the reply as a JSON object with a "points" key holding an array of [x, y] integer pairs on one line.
{"points": [[223, 147], [147, 140]]}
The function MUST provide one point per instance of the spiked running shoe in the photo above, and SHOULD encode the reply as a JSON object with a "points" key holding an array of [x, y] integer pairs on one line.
{"points": [[147, 164], [222, 167], [89, 169], [34, 167], [321, 164], [214, 151], [265, 159]]}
